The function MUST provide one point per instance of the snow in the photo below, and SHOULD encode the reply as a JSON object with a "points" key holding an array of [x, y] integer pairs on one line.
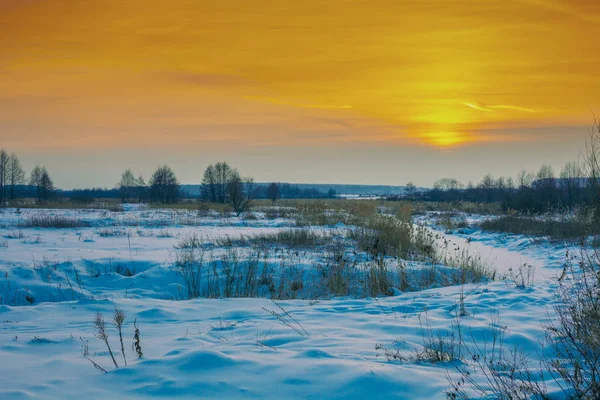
{"points": [[235, 348]]}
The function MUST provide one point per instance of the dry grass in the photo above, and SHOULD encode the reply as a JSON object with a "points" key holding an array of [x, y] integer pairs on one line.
{"points": [[15, 235], [97, 204], [293, 237], [53, 221], [575, 334], [563, 229], [111, 232], [389, 236]]}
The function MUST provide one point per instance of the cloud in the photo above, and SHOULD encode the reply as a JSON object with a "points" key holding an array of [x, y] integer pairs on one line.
{"points": [[509, 107], [491, 109], [476, 107]]}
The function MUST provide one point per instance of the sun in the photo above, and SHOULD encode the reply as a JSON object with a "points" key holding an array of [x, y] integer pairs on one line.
{"points": [[446, 139]]}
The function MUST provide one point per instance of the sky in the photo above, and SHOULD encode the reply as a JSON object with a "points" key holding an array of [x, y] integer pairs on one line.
{"points": [[328, 91]]}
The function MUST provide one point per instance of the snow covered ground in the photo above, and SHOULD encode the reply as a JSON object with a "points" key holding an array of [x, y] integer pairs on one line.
{"points": [[239, 347]]}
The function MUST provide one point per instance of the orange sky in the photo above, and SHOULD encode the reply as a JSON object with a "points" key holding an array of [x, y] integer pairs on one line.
{"points": [[242, 79]]}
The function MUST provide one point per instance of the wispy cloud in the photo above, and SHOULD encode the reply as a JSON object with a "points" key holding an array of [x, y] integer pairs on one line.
{"points": [[493, 108], [477, 107], [509, 107], [275, 100]]}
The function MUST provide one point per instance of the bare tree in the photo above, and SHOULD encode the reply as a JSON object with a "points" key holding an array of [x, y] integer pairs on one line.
{"points": [[240, 192], [164, 186], [545, 184], [571, 182], [224, 174], [273, 192], [447, 184], [524, 180], [510, 183], [487, 185], [16, 175], [209, 184], [141, 188], [591, 164], [41, 180], [3, 176], [215, 182], [410, 190], [127, 185]]}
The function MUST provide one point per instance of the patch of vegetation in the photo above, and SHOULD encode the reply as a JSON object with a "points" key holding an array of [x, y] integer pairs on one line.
{"points": [[53, 221], [95, 204], [388, 236], [294, 237], [564, 229]]}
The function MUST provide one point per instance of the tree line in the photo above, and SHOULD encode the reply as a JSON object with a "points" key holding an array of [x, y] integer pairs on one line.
{"points": [[577, 185], [221, 184], [14, 182]]}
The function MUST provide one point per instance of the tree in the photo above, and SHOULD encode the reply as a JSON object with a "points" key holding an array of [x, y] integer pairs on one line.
{"points": [[46, 184], [240, 192], [209, 184], [447, 184], [273, 192], [591, 165], [545, 185], [141, 188], [16, 175], [510, 183], [223, 175], [524, 179], [127, 186], [410, 190], [3, 176], [215, 182], [41, 180], [571, 182], [164, 186]]}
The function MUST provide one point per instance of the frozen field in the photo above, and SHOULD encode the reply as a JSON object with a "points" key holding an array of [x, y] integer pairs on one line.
{"points": [[54, 281]]}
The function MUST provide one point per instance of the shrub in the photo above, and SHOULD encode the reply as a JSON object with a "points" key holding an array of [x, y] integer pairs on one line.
{"points": [[575, 334]]}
